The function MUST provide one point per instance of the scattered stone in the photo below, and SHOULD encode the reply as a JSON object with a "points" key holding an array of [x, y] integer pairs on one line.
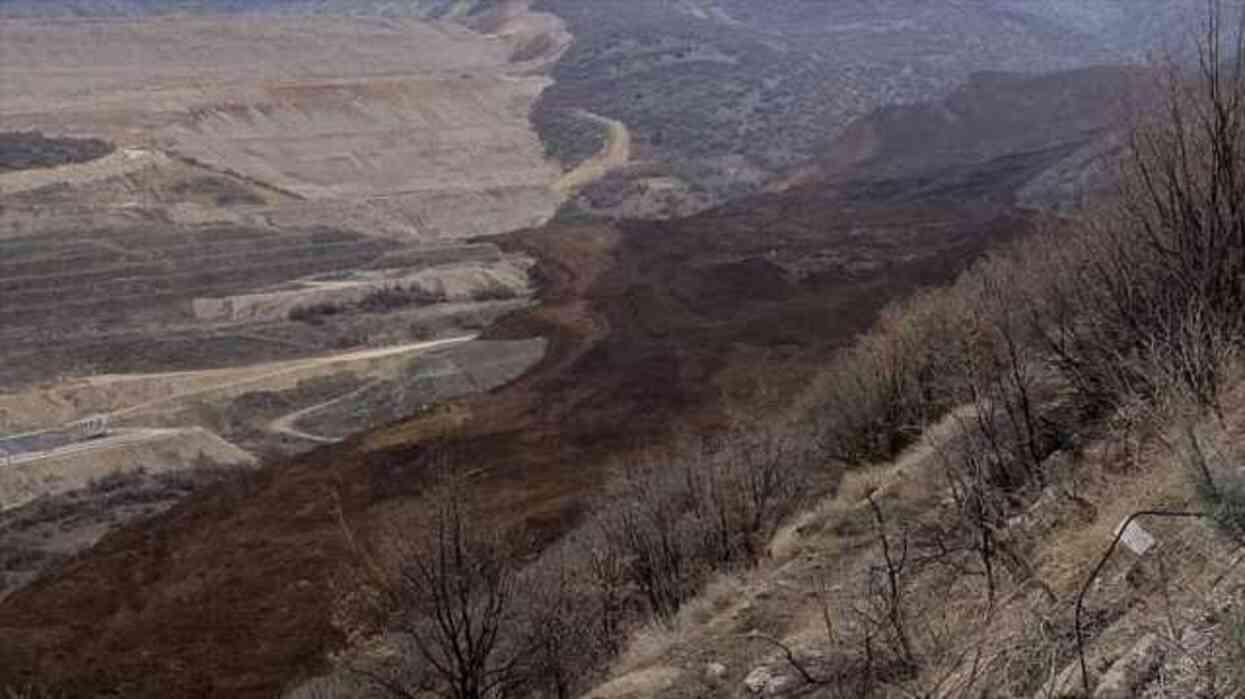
{"points": [[1067, 683], [1129, 675], [715, 671], [766, 682]]}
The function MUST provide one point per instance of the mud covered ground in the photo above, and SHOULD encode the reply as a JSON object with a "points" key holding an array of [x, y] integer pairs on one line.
{"points": [[650, 328]]}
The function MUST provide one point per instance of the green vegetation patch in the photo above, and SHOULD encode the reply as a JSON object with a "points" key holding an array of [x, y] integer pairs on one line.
{"points": [[1225, 503], [568, 137]]}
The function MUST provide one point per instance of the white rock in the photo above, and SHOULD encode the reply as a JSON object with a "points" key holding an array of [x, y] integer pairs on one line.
{"points": [[765, 682], [1138, 540], [715, 671], [758, 679]]}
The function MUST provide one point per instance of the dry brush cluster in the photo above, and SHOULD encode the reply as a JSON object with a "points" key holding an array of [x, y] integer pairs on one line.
{"points": [[449, 607]]}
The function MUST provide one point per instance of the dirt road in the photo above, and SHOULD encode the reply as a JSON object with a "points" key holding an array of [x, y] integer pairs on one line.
{"points": [[286, 425], [115, 439], [277, 369], [615, 154]]}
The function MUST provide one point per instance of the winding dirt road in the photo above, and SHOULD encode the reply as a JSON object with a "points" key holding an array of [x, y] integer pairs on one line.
{"points": [[286, 424], [615, 154], [278, 369]]}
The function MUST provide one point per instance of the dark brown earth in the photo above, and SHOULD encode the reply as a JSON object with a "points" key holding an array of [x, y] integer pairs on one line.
{"points": [[655, 330], [229, 594]]}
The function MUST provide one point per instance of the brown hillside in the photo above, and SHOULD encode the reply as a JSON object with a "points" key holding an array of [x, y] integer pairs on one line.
{"points": [[654, 328]]}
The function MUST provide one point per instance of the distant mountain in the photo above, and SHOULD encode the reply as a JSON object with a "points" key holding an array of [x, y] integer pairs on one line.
{"points": [[722, 96], [723, 93], [107, 8]]}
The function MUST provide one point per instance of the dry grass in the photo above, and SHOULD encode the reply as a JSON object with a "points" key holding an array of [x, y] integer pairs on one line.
{"points": [[888, 480], [708, 612], [644, 683], [1024, 641]]}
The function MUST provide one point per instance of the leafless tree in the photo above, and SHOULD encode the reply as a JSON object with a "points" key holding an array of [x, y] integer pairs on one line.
{"points": [[557, 628], [893, 588], [603, 572], [648, 522], [743, 486], [1152, 286], [453, 623]]}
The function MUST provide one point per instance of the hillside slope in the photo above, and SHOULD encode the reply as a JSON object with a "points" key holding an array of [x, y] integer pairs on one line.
{"points": [[1159, 621], [653, 329]]}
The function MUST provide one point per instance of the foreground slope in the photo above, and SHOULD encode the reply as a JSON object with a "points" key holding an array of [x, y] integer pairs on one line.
{"points": [[1162, 618]]}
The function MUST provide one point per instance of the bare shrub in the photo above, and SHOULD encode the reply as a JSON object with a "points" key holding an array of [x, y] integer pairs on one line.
{"points": [[565, 626], [452, 622], [650, 522], [392, 297], [877, 396], [887, 589], [1153, 282], [713, 505], [443, 606], [604, 585], [745, 488]]}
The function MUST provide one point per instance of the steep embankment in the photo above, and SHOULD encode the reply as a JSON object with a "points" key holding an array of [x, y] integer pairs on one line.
{"points": [[652, 330]]}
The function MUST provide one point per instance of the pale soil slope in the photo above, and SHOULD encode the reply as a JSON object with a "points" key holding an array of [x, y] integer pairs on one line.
{"points": [[118, 164], [428, 121], [132, 395], [454, 283], [73, 467]]}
